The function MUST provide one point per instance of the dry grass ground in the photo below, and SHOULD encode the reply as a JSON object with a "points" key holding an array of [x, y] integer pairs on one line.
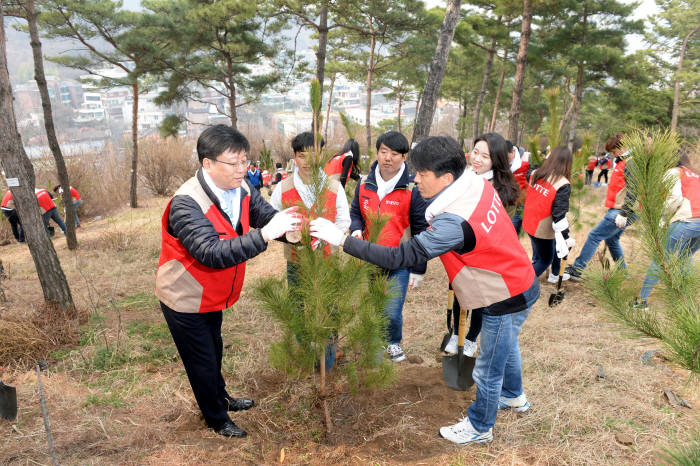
{"points": [[120, 396]]}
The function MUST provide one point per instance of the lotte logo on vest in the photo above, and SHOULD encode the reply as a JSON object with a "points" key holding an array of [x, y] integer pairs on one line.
{"points": [[491, 214]]}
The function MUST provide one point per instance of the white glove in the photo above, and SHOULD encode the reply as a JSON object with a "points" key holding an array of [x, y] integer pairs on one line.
{"points": [[357, 234], [560, 242], [281, 223], [621, 221], [570, 242], [326, 230], [414, 280]]}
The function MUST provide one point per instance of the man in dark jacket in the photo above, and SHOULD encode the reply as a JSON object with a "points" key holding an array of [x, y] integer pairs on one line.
{"points": [[205, 244], [389, 190]]}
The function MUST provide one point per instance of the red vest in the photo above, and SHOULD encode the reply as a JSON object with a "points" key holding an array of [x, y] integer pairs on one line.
{"points": [[537, 214], [605, 165], [498, 268], [182, 283], [521, 175], [45, 201], [396, 206], [266, 179], [616, 189], [334, 167], [690, 188], [592, 161], [291, 197], [7, 200], [74, 193]]}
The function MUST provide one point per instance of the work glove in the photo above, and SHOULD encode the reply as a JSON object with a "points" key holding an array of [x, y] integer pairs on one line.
{"points": [[281, 223], [561, 246], [357, 234], [414, 280], [621, 221], [326, 230], [570, 242]]}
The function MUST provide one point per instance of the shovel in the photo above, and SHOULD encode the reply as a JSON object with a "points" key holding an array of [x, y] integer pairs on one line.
{"points": [[8, 401], [457, 369], [558, 296]]}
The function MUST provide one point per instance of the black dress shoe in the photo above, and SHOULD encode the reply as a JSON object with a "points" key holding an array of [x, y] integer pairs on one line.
{"points": [[239, 404], [229, 429]]}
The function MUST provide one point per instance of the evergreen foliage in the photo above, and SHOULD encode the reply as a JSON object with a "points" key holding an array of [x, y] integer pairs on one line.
{"points": [[675, 320]]}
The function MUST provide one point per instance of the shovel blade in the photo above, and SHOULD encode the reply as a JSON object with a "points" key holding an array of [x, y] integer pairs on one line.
{"points": [[458, 376], [556, 298], [8, 402]]}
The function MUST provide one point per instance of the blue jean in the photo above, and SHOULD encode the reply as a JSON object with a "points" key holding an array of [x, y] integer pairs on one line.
{"points": [[394, 307], [543, 254], [76, 204], [517, 219], [332, 346], [56, 217], [606, 231], [498, 369], [681, 238]]}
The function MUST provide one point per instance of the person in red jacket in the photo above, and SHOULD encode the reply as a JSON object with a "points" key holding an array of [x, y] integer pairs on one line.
{"points": [[389, 189], [605, 163], [488, 267], [615, 220], [546, 205], [683, 235], [77, 200], [344, 165], [213, 224], [49, 210], [8, 208], [590, 166]]}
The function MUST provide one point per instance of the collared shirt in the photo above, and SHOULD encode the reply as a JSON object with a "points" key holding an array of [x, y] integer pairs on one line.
{"points": [[385, 187], [230, 200]]}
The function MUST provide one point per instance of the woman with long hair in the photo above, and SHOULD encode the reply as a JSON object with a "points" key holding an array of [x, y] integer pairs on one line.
{"points": [[489, 159], [546, 205], [345, 164]]}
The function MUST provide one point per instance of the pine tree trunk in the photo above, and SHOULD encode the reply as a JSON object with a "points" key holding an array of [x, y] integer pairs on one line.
{"points": [[520, 72], [431, 91], [463, 124], [330, 103], [677, 85], [492, 126], [232, 98], [134, 142], [370, 68], [16, 165], [415, 114], [484, 85], [322, 45], [578, 93], [398, 119], [40, 78]]}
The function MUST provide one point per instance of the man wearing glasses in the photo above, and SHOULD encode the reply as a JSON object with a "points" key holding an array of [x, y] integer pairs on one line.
{"points": [[206, 241]]}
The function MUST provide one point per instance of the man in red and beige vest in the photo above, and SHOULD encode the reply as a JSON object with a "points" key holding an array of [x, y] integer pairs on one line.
{"points": [[615, 220], [206, 241], [487, 266], [298, 190], [8, 209], [683, 236]]}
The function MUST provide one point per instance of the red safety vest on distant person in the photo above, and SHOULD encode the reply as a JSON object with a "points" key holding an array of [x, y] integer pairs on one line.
{"points": [[45, 201], [498, 268], [537, 215], [182, 283], [616, 189], [8, 201], [690, 188], [592, 162], [334, 167]]}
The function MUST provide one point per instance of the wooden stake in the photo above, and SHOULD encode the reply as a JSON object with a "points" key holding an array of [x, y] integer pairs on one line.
{"points": [[45, 414]]}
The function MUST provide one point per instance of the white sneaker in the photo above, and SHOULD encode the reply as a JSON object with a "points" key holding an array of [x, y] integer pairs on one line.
{"points": [[395, 353], [469, 348], [451, 347], [518, 404], [555, 278], [463, 433]]}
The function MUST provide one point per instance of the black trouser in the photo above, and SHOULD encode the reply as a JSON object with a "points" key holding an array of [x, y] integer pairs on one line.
{"points": [[17, 230], [589, 176], [603, 173], [474, 323], [198, 340]]}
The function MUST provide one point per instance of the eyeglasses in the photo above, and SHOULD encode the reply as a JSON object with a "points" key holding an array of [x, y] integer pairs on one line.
{"points": [[240, 164]]}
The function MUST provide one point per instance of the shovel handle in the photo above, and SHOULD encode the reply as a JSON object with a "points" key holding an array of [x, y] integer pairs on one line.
{"points": [[450, 299], [462, 327], [561, 272]]}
